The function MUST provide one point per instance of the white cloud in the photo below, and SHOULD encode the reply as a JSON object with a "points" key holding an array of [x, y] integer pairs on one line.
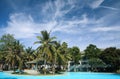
{"points": [[24, 26], [96, 3], [21, 25], [111, 8], [105, 29], [53, 17], [84, 20], [59, 4], [109, 37], [56, 10]]}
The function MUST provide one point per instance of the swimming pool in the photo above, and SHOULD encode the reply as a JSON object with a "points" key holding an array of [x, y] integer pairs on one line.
{"points": [[69, 75]]}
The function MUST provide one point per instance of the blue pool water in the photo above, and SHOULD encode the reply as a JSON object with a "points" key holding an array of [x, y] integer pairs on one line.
{"points": [[69, 75]]}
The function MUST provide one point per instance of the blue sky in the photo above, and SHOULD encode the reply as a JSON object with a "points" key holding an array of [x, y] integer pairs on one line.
{"points": [[77, 22]]}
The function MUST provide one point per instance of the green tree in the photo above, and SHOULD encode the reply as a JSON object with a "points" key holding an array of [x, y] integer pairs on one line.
{"points": [[111, 56], [59, 57], [29, 52], [64, 50], [5, 41], [14, 54], [46, 41], [76, 56], [92, 52], [6, 38], [96, 63]]}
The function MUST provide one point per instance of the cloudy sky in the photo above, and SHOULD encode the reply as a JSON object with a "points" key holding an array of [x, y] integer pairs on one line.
{"points": [[77, 22]]}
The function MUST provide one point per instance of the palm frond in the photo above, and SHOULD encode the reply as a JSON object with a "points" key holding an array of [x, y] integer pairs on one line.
{"points": [[37, 42], [40, 38]]}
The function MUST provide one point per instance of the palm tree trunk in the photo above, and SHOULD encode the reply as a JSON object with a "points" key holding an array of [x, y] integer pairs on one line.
{"points": [[20, 64], [9, 66], [45, 65], [13, 65], [53, 69]]}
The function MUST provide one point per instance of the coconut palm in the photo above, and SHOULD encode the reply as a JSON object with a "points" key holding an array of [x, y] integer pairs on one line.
{"points": [[57, 56], [14, 54], [46, 41], [5, 42], [29, 52], [66, 53]]}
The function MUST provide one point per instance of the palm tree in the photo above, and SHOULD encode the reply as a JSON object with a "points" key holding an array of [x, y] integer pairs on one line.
{"points": [[66, 53], [5, 41], [29, 52], [57, 56], [60, 55], [14, 54], [46, 41]]}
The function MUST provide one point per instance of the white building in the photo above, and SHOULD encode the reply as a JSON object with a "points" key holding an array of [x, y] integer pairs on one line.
{"points": [[81, 66]]}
